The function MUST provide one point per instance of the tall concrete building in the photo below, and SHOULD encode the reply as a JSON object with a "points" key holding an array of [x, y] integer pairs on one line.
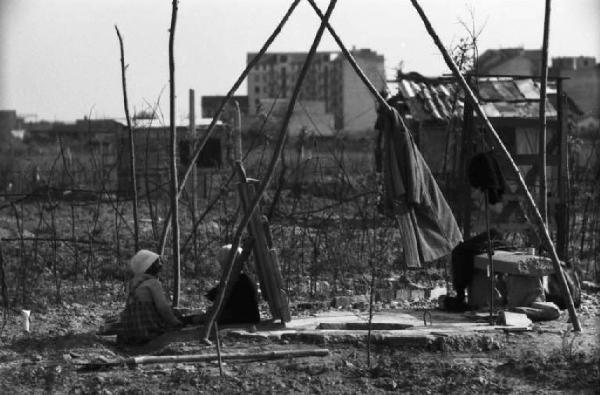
{"points": [[330, 81]]}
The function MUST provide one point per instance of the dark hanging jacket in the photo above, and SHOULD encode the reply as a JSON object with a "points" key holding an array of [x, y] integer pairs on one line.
{"points": [[412, 196], [484, 173]]}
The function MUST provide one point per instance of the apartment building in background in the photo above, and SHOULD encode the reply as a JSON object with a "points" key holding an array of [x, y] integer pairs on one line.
{"points": [[582, 81], [332, 99]]}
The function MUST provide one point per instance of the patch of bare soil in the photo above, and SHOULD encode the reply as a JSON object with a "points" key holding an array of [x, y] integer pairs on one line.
{"points": [[549, 359]]}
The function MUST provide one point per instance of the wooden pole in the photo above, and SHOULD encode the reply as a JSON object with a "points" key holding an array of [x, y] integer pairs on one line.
{"points": [[543, 198], [541, 225], [465, 155], [261, 355], [218, 304], [490, 254], [237, 133], [218, 113], [218, 344], [131, 145], [562, 208], [237, 139], [173, 184], [194, 186]]}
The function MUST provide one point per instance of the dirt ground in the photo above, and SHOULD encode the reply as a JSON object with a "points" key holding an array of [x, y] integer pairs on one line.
{"points": [[548, 359]]}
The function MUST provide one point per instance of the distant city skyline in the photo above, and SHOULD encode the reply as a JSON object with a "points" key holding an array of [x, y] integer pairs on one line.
{"points": [[59, 59]]}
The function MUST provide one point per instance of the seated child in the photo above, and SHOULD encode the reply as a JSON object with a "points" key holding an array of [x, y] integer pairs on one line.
{"points": [[148, 313], [241, 307]]}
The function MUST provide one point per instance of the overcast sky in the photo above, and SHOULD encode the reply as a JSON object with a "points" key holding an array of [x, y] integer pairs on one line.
{"points": [[59, 59]]}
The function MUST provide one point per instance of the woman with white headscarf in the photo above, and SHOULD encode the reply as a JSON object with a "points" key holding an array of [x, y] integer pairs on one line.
{"points": [[148, 313]]}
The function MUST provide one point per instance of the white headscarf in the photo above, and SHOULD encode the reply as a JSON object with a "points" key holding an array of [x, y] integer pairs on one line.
{"points": [[142, 260], [223, 253]]}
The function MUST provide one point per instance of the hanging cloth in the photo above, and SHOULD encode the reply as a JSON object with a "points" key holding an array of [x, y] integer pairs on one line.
{"points": [[412, 196], [484, 173]]}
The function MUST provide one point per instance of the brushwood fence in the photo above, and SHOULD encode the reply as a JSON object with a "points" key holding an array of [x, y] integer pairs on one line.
{"points": [[66, 228]]}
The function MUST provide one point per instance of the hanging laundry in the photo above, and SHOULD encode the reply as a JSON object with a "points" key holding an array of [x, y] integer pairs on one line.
{"points": [[411, 194], [484, 173]]}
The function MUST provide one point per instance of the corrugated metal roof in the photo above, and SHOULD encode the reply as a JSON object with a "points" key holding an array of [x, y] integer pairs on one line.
{"points": [[501, 97], [528, 88], [508, 90], [429, 100]]}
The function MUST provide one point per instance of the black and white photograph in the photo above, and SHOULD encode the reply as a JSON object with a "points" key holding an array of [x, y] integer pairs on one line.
{"points": [[299, 196]]}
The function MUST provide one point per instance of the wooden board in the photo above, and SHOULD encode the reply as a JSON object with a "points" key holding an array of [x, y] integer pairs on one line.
{"points": [[267, 265]]}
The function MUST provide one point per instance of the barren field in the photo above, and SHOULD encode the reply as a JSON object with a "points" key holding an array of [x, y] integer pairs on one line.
{"points": [[549, 359]]}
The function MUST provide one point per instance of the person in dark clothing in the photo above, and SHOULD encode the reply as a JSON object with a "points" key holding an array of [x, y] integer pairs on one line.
{"points": [[462, 265], [241, 307]]}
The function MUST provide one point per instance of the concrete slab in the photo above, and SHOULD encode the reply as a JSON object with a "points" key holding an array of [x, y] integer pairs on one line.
{"points": [[393, 328]]}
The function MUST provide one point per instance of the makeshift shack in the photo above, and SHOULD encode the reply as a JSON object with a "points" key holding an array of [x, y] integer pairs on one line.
{"points": [[448, 134]]}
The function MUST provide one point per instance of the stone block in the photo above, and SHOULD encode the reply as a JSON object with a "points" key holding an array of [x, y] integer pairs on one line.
{"points": [[514, 319]]}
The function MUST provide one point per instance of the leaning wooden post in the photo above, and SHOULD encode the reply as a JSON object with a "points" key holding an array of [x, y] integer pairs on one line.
{"points": [[562, 208], [466, 153], [218, 304], [173, 184], [217, 115], [543, 230], [542, 115], [131, 145]]}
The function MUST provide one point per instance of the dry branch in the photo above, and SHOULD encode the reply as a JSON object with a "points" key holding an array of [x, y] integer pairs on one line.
{"points": [[542, 114], [173, 152], [148, 359], [131, 145], [59, 240], [3, 291]]}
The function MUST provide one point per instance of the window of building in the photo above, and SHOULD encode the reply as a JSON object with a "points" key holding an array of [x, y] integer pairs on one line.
{"points": [[283, 58], [257, 89], [210, 156]]}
